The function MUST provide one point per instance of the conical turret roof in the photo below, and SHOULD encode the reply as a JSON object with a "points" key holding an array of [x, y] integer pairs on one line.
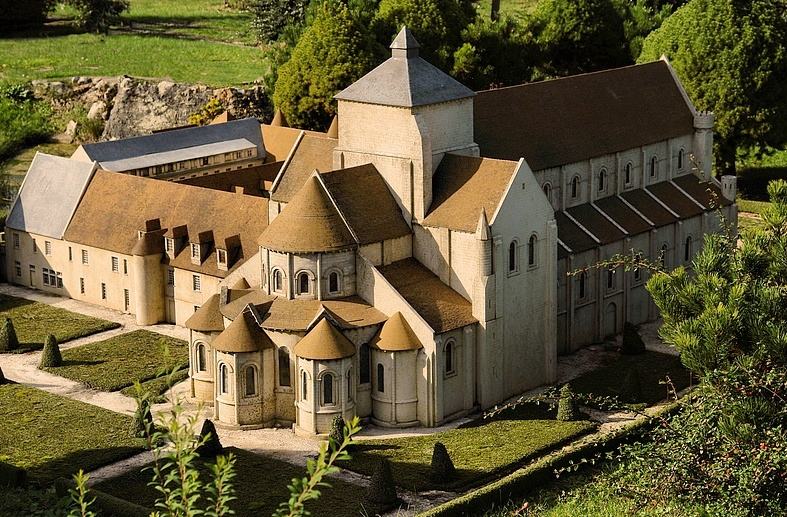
{"points": [[324, 342], [243, 335], [207, 318], [405, 80], [396, 335], [310, 223]]}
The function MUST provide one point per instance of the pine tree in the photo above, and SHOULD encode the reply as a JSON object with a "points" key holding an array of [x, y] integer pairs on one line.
{"points": [[211, 446], [442, 469], [50, 357], [8, 339], [567, 408], [381, 494]]}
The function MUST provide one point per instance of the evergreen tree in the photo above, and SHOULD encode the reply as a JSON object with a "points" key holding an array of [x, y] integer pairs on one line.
{"points": [[211, 446], [441, 470], [98, 15], [272, 16], [632, 341], [381, 494], [731, 56], [336, 434], [333, 52], [50, 357], [567, 408], [8, 339]]}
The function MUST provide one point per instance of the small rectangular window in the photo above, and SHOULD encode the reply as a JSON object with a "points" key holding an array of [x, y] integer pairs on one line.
{"points": [[84, 257], [103, 291], [81, 286], [16, 241], [195, 282], [70, 254], [35, 246], [115, 265], [126, 299], [60, 280], [169, 245], [194, 250], [47, 248], [45, 273], [18, 268], [222, 256], [170, 277], [125, 266], [52, 278]]}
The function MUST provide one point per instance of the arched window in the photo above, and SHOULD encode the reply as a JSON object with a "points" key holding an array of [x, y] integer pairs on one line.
{"points": [[251, 381], [513, 259], [575, 187], [583, 278], [333, 282], [380, 378], [548, 191], [224, 379], [364, 364], [663, 256], [202, 364], [602, 180], [450, 360], [687, 250], [653, 164], [349, 384], [531, 251], [681, 159], [277, 280], [284, 367], [628, 173], [327, 389], [303, 283], [304, 386], [610, 279]]}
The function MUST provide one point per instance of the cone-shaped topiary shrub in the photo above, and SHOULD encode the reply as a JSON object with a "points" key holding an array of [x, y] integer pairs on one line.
{"points": [[142, 416], [381, 494], [337, 430], [632, 342], [567, 409], [631, 389], [442, 470], [51, 355], [211, 446], [2, 377], [8, 339]]}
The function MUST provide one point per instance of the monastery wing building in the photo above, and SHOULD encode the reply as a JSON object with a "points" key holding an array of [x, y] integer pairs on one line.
{"points": [[409, 266]]}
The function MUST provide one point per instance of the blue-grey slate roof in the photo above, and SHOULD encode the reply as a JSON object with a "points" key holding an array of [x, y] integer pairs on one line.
{"points": [[49, 195], [405, 80], [179, 139]]}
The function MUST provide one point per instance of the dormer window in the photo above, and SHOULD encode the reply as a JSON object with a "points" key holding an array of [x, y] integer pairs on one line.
{"points": [[221, 257]]}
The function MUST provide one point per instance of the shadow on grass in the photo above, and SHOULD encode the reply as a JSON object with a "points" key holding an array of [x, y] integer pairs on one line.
{"points": [[45, 473]]}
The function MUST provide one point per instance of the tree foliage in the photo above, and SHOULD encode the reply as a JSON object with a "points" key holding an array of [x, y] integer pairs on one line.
{"points": [[98, 15], [18, 13], [731, 56], [333, 52], [8, 339], [578, 36], [50, 357], [270, 17]]}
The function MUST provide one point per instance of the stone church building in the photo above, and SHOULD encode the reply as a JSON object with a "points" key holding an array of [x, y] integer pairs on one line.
{"points": [[409, 266]]}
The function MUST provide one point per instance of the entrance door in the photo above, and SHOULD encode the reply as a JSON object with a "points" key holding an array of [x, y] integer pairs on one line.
{"points": [[610, 320], [32, 276]]}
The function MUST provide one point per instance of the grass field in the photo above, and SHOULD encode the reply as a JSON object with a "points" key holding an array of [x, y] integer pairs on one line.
{"points": [[33, 321], [261, 484], [52, 436], [478, 449], [117, 362]]}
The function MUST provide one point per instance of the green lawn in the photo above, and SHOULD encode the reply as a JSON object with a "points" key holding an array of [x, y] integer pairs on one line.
{"points": [[478, 449], [33, 321], [18, 164], [261, 484], [118, 362], [53, 436]]}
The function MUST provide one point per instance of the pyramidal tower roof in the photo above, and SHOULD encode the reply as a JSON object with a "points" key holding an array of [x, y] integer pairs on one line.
{"points": [[324, 342], [405, 80], [396, 335], [310, 223]]}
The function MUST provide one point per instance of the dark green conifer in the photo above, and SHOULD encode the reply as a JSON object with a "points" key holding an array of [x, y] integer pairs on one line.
{"points": [[567, 409], [632, 341], [8, 339], [442, 469], [381, 494], [50, 357], [336, 434], [211, 446]]}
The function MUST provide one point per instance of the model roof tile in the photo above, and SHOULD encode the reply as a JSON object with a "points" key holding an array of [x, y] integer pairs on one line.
{"points": [[462, 186], [440, 306], [368, 207], [207, 318], [396, 335], [310, 223], [572, 119], [324, 342], [649, 207], [297, 315], [405, 80], [243, 335], [572, 235], [702, 190], [601, 227], [676, 200], [620, 212], [250, 179], [311, 152]]}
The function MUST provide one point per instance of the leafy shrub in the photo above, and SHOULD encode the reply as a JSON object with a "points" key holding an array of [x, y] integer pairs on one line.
{"points": [[567, 409], [207, 112], [336, 434], [272, 16], [143, 418], [22, 123], [8, 339], [97, 15], [50, 357], [632, 341], [442, 469]]}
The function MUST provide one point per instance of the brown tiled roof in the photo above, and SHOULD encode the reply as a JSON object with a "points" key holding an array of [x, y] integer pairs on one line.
{"points": [[243, 335], [116, 206], [575, 118], [396, 335], [313, 152], [627, 218], [440, 306], [698, 189], [462, 185], [207, 318], [242, 283], [324, 343], [366, 203], [310, 223], [649, 207], [596, 223], [250, 179], [237, 299], [572, 235], [676, 200], [297, 315], [278, 141]]}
